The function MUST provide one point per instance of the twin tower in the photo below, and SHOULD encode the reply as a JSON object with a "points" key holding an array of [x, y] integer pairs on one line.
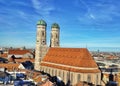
{"points": [[41, 45]]}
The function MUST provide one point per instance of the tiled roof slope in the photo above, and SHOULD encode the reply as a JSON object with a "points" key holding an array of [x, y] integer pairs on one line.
{"points": [[18, 52], [75, 57], [4, 55], [79, 57], [9, 65]]}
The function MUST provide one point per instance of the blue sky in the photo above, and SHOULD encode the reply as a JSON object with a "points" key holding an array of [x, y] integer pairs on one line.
{"points": [[91, 23]]}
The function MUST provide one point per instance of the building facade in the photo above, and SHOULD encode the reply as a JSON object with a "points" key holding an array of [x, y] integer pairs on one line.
{"points": [[71, 65]]}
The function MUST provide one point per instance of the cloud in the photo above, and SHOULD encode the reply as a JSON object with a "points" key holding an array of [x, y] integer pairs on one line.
{"points": [[99, 12], [36, 4], [43, 7], [92, 16], [21, 3]]}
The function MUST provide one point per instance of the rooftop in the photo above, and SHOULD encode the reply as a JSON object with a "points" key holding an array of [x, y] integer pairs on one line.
{"points": [[70, 59], [18, 52]]}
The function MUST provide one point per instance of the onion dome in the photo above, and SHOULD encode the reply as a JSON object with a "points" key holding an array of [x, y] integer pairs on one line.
{"points": [[55, 25], [42, 22]]}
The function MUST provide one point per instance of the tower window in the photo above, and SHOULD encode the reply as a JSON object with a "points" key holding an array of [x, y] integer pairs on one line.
{"points": [[56, 35], [37, 41], [43, 42], [42, 33]]}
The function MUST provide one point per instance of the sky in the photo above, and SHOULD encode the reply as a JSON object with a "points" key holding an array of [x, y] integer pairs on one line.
{"points": [[83, 23]]}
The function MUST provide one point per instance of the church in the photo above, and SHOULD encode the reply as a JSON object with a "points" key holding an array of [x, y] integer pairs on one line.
{"points": [[68, 64]]}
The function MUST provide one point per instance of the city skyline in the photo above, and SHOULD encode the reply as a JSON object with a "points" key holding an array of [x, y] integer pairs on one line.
{"points": [[83, 23]]}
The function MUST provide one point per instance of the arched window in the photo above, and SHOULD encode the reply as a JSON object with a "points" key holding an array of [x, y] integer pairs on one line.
{"points": [[43, 33], [52, 72], [63, 75], [45, 69], [71, 77], [43, 42], [56, 35], [55, 72], [78, 78], [68, 75], [89, 79], [97, 79], [59, 73], [49, 70]]}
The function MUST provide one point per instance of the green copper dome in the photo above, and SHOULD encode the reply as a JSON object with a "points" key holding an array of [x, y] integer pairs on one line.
{"points": [[55, 25], [42, 22]]}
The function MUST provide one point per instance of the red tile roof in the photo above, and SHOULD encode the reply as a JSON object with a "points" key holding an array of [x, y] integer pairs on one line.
{"points": [[112, 57], [18, 52], [5, 55], [35, 75], [9, 65], [71, 69], [76, 57]]}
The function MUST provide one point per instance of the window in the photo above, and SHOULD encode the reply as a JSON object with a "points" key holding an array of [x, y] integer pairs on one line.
{"points": [[89, 79], [52, 72], [46, 70], [78, 78], [37, 40], [96, 79], [59, 73], [56, 72], [43, 42], [71, 77], [42, 33], [56, 35], [68, 75], [63, 75], [49, 70]]}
